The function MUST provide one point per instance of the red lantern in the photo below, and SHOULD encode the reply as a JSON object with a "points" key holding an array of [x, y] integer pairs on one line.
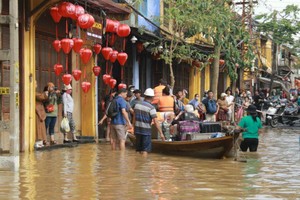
{"points": [[66, 45], [123, 30], [97, 48], [112, 83], [55, 14], [121, 86], [85, 55], [122, 57], [113, 56], [221, 62], [76, 74], [111, 26], [86, 21], [112, 39], [106, 78], [106, 52], [85, 86], [97, 70], [67, 79], [196, 63], [66, 9], [77, 44], [56, 45], [139, 47], [79, 10], [58, 69]]}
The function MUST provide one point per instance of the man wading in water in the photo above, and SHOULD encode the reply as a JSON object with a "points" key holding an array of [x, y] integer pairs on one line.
{"points": [[144, 113]]}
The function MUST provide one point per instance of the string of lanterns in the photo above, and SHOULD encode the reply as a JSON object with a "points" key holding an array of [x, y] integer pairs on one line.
{"points": [[86, 21]]}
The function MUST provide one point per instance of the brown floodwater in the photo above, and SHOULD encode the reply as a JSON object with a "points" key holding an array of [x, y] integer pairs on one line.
{"points": [[92, 171]]}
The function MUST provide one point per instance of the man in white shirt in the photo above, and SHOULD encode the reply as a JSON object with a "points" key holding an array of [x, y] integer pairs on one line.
{"points": [[68, 105]]}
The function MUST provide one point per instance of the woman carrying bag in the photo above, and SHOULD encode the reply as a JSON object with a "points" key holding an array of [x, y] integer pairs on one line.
{"points": [[51, 107]]}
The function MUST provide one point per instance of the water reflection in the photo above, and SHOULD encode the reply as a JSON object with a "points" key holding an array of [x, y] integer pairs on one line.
{"points": [[92, 171]]}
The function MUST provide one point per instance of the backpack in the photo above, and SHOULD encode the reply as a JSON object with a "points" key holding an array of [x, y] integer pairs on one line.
{"points": [[211, 107], [112, 109]]}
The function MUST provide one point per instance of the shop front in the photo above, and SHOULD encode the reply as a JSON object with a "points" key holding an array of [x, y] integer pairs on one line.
{"points": [[43, 62]]}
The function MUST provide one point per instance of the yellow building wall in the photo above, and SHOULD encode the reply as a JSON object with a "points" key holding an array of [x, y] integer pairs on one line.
{"points": [[207, 77], [88, 102], [195, 82]]}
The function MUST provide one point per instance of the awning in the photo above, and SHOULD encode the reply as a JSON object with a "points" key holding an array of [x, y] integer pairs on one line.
{"points": [[275, 83], [109, 7]]}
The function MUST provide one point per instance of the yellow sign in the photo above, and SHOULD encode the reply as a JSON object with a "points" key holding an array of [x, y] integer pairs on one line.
{"points": [[97, 25], [4, 90]]}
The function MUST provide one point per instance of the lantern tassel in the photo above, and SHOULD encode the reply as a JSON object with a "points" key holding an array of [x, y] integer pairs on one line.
{"points": [[122, 73], [106, 67], [111, 68], [56, 32], [124, 44], [66, 64]]}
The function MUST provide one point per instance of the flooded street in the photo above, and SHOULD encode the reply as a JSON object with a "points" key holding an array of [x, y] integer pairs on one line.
{"points": [[92, 171]]}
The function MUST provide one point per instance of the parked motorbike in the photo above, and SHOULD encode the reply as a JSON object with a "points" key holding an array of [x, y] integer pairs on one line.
{"points": [[286, 114]]}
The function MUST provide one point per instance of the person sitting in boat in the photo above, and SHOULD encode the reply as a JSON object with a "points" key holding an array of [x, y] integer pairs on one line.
{"points": [[251, 125]]}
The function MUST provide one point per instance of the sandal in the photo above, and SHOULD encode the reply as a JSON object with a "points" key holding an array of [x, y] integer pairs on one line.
{"points": [[45, 143], [53, 142]]}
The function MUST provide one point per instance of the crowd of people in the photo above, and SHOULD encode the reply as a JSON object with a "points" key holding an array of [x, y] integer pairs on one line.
{"points": [[138, 114]]}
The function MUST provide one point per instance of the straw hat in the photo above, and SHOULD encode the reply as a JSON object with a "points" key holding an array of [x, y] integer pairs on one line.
{"points": [[251, 109], [223, 95], [189, 108]]}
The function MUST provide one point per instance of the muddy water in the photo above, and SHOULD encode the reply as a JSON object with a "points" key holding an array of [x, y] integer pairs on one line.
{"points": [[92, 171]]}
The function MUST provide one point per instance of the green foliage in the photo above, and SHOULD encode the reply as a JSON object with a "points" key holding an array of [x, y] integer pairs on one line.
{"points": [[283, 26], [216, 21]]}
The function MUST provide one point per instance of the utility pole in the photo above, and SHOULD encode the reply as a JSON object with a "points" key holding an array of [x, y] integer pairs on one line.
{"points": [[12, 161], [247, 12]]}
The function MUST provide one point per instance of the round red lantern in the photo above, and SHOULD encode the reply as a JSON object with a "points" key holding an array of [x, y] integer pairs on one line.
{"points": [[67, 79], [56, 45], [106, 52], [111, 26], [123, 30], [106, 78], [66, 45], [122, 58], [112, 83], [113, 56], [85, 86], [97, 70], [86, 21], [66, 9], [97, 48], [121, 86], [76, 74], [139, 47], [85, 55], [79, 10], [57, 69], [221, 62], [55, 14]]}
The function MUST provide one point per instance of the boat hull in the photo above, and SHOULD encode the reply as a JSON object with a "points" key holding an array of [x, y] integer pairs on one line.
{"points": [[205, 148]]}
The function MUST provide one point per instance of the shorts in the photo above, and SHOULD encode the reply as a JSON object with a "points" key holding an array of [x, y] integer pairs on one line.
{"points": [[251, 143], [143, 143], [118, 132]]}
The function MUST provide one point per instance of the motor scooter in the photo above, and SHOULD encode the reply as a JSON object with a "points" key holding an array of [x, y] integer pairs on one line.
{"points": [[286, 114]]}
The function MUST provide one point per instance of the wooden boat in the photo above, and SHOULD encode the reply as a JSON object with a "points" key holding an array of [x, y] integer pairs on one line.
{"points": [[205, 148]]}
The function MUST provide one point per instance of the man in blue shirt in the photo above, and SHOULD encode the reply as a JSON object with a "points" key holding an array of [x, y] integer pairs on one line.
{"points": [[195, 102], [120, 123]]}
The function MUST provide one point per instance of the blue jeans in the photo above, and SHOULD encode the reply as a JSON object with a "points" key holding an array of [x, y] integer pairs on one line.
{"points": [[50, 123]]}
